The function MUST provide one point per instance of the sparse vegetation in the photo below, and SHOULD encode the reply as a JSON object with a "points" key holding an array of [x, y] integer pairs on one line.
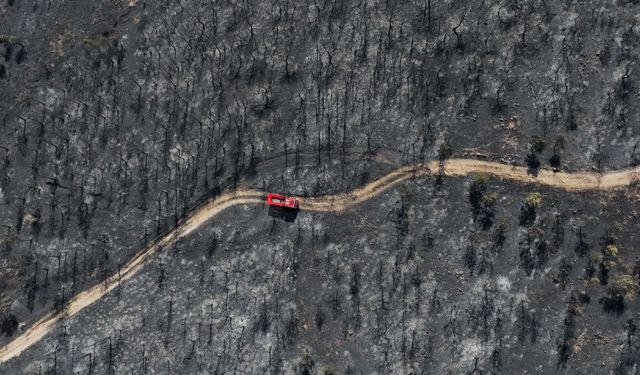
{"points": [[306, 363], [528, 211], [534, 199], [329, 370], [624, 285]]}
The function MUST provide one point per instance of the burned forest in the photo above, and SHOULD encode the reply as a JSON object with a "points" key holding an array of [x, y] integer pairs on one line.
{"points": [[319, 187]]}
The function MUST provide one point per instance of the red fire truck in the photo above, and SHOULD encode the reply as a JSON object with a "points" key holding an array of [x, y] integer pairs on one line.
{"points": [[282, 201]]}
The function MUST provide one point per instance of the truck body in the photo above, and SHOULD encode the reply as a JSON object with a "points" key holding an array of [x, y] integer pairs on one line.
{"points": [[282, 201]]}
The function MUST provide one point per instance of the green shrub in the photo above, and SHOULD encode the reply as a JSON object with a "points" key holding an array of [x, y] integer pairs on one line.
{"points": [[534, 199], [624, 285]]}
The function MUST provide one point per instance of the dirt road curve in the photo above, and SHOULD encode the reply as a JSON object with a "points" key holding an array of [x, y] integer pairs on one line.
{"points": [[581, 181]]}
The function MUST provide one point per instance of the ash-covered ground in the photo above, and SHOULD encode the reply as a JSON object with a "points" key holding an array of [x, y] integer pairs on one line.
{"points": [[117, 118], [409, 282]]}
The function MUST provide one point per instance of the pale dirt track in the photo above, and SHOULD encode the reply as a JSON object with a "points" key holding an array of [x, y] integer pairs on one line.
{"points": [[581, 181]]}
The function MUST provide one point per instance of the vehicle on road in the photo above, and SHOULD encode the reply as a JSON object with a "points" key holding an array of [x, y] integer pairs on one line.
{"points": [[282, 201]]}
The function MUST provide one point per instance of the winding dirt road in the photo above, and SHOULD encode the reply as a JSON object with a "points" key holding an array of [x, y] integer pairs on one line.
{"points": [[581, 181]]}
